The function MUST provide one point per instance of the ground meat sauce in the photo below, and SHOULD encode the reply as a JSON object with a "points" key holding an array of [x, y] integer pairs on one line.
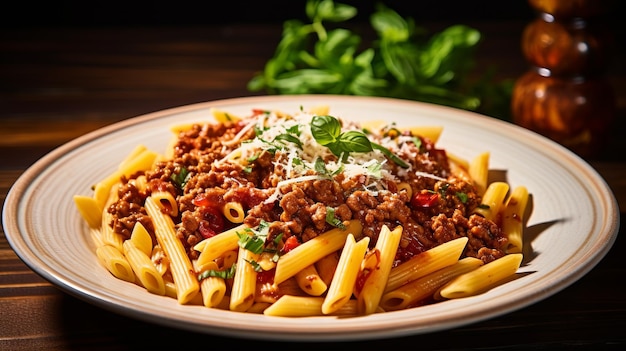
{"points": [[437, 208]]}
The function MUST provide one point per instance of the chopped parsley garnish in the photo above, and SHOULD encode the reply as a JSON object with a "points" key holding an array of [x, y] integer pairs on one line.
{"points": [[181, 178], [254, 239], [225, 274], [332, 220]]}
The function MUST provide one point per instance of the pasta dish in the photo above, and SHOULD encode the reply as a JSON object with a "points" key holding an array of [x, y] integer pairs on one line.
{"points": [[304, 213]]}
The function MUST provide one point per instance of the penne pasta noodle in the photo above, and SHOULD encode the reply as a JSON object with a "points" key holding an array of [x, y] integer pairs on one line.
{"points": [[438, 257], [313, 250], [115, 262], [140, 162], [161, 262], [493, 200], [141, 239], [429, 132], [166, 202], [426, 286], [406, 187], [376, 281], [213, 289], [310, 281], [306, 306], [89, 210], [223, 116], [482, 278], [127, 161], [233, 211], [348, 268], [145, 271], [479, 171], [187, 285], [513, 219], [216, 246], [244, 282], [326, 266]]}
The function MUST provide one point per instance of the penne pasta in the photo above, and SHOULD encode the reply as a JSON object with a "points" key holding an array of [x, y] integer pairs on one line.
{"points": [[493, 199], [166, 202], [216, 246], [306, 306], [419, 289], [223, 116], [213, 288], [348, 268], [141, 239], [376, 281], [89, 210], [479, 171], [429, 132], [482, 278], [310, 281], [313, 250], [187, 286], [326, 266], [513, 219], [244, 283], [427, 262], [145, 271], [115, 262], [233, 211]]}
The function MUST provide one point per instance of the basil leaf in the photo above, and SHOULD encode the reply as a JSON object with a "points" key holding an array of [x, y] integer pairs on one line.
{"points": [[354, 141], [397, 160], [325, 129], [290, 138]]}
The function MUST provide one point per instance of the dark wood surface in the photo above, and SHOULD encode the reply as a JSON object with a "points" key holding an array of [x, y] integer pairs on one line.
{"points": [[57, 83]]}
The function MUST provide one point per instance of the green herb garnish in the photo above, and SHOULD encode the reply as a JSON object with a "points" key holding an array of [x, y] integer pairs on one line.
{"points": [[401, 61]]}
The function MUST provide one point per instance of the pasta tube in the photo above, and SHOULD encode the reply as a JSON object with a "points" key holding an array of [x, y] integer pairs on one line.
{"points": [[348, 267], [216, 246], [482, 278], [144, 269], [244, 282], [424, 287], [492, 201], [310, 281], [115, 262], [311, 251], [440, 256], [305, 306], [187, 285], [479, 171], [513, 219], [213, 289], [374, 286]]}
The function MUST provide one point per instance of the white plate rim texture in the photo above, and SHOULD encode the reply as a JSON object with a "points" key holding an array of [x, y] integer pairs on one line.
{"points": [[573, 222]]}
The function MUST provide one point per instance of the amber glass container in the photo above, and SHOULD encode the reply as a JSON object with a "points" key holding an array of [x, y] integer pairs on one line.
{"points": [[565, 94]]}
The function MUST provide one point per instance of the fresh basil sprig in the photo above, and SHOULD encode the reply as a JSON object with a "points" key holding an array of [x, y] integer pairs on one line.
{"points": [[403, 62], [327, 132]]}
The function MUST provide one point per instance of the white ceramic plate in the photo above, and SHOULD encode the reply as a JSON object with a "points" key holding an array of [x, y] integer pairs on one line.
{"points": [[573, 223]]}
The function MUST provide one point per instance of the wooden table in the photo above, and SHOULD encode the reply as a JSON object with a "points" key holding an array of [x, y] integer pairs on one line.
{"points": [[57, 84]]}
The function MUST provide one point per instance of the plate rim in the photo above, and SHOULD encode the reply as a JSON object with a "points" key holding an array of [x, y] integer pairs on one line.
{"points": [[33, 172]]}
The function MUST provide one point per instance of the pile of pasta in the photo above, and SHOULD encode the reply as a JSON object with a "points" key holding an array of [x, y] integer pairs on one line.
{"points": [[321, 272]]}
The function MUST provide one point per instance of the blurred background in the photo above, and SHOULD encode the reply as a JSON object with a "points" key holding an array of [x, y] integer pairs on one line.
{"points": [[104, 61], [150, 13]]}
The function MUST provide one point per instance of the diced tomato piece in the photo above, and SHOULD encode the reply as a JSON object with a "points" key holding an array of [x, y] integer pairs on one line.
{"points": [[290, 244], [425, 200]]}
